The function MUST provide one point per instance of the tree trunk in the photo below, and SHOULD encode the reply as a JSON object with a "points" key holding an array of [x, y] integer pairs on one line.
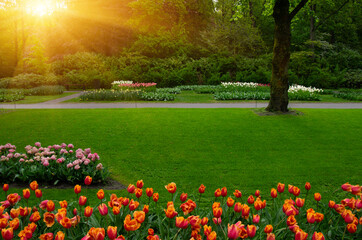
{"points": [[281, 55], [312, 26]]}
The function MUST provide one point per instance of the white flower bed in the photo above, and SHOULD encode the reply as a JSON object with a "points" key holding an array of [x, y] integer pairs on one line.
{"points": [[240, 84], [296, 88], [121, 82]]}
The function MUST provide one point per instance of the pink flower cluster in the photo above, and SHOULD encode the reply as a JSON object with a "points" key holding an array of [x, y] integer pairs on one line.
{"points": [[138, 85], [55, 153]]}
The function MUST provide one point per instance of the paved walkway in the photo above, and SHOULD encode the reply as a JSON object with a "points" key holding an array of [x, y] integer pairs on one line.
{"points": [[56, 104]]}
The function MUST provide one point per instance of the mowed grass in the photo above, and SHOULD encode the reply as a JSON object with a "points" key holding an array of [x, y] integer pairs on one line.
{"points": [[216, 147]]}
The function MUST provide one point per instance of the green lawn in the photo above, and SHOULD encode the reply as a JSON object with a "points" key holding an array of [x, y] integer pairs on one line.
{"points": [[217, 147], [192, 97], [40, 99]]}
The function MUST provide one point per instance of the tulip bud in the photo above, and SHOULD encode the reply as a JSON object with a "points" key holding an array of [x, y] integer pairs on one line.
{"points": [[202, 188], [87, 180]]}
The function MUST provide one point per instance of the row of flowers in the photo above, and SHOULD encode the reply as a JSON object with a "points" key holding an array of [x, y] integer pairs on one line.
{"points": [[137, 215], [50, 164]]}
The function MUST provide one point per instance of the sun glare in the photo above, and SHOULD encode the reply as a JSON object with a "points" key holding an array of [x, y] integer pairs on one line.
{"points": [[45, 7]]}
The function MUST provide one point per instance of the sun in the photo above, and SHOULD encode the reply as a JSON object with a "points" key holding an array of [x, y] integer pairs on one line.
{"points": [[44, 7]]}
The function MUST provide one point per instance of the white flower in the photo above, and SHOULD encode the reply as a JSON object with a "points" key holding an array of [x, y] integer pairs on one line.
{"points": [[296, 88]]}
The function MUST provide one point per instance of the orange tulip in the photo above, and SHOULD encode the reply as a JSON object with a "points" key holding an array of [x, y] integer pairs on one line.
{"points": [[48, 218], [230, 202], [131, 188], [155, 197], [38, 193], [138, 192], [112, 232], [237, 194], [171, 187], [170, 211], [212, 236], [116, 210], [33, 185], [318, 217], [60, 236], [131, 224], [133, 205], [270, 236], [139, 216], [183, 197], [291, 220], [88, 211], [50, 206], [258, 204], [88, 180], [14, 212], [14, 224], [273, 193], [26, 193], [100, 194], [268, 229], [3, 222], [149, 192], [103, 209], [66, 223], [251, 230], [202, 188], [46, 236], [245, 210], [139, 184], [77, 189], [13, 198], [82, 200], [317, 197], [207, 230], [281, 187], [296, 191], [318, 236], [96, 233], [34, 217], [217, 192], [7, 233], [63, 204]]}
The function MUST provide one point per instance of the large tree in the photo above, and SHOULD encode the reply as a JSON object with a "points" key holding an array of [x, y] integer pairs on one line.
{"points": [[281, 54]]}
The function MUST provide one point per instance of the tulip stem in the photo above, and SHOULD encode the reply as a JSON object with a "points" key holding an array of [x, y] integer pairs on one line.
{"points": [[177, 233], [344, 232], [222, 229]]}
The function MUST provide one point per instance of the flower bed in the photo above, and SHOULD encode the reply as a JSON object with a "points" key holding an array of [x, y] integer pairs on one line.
{"points": [[125, 95], [129, 85], [51, 164], [138, 216]]}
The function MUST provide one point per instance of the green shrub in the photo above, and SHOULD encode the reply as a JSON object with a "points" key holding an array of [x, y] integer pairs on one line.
{"points": [[175, 90], [304, 96], [110, 95], [30, 81], [206, 89], [352, 79], [155, 96], [11, 95], [242, 96], [45, 90], [349, 94]]}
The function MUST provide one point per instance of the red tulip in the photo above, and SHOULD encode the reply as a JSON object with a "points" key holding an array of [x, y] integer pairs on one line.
{"points": [[87, 180], [251, 230], [281, 187], [139, 184], [103, 209], [5, 187], [224, 192], [7, 233], [112, 232], [138, 192], [274, 193], [77, 189], [233, 232], [217, 192], [183, 197], [257, 193], [307, 186], [149, 192], [26, 193], [82, 200], [88, 211], [317, 197], [131, 188], [237, 194], [318, 236], [202, 188]]}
